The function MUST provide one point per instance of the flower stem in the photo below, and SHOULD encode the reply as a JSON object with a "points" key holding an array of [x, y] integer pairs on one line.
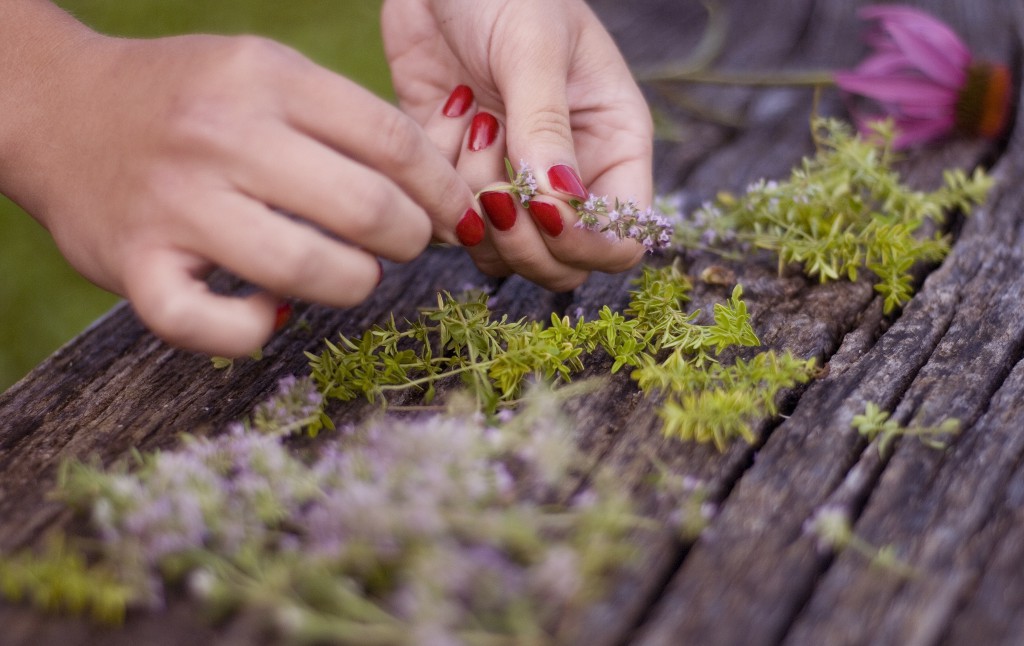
{"points": [[754, 79]]}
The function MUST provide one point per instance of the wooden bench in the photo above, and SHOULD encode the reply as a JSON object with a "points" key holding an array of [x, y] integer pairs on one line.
{"points": [[754, 576]]}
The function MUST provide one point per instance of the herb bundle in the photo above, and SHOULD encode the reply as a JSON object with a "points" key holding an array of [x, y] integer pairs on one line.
{"points": [[842, 211], [445, 529], [486, 524], [671, 355]]}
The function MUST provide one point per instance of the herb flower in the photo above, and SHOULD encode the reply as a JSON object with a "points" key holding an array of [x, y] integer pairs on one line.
{"points": [[624, 219], [923, 77]]}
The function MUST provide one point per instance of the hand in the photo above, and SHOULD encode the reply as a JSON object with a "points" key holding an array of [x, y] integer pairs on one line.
{"points": [[549, 71], [153, 162]]}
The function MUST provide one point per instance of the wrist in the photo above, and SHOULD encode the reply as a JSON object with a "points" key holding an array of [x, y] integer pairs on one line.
{"points": [[39, 47]]}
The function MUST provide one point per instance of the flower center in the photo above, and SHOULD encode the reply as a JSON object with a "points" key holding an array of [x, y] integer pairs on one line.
{"points": [[983, 105]]}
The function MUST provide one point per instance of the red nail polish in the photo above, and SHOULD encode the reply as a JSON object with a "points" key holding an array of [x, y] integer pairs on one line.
{"points": [[547, 217], [470, 229], [459, 101], [282, 315], [482, 131], [500, 209], [564, 179]]}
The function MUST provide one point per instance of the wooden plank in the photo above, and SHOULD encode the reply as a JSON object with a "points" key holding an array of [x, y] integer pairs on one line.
{"points": [[749, 577], [755, 576]]}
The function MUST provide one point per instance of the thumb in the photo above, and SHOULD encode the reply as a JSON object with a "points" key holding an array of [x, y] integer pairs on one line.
{"points": [[534, 91]]}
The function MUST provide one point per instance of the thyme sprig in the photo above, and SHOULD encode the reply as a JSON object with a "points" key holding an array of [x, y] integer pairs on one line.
{"points": [[59, 579], [445, 529], [841, 212], [875, 423], [668, 351]]}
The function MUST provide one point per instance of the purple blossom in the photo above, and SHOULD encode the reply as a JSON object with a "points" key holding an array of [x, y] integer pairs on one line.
{"points": [[922, 75], [431, 518], [624, 219]]}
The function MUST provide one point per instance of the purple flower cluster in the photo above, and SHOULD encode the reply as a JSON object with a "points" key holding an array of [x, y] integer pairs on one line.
{"points": [[441, 525], [296, 404], [624, 219], [523, 183]]}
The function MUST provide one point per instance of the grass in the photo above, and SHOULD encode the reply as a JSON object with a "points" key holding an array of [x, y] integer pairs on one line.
{"points": [[43, 302]]}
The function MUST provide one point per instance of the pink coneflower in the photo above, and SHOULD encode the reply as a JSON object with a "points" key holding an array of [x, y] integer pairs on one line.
{"points": [[923, 77]]}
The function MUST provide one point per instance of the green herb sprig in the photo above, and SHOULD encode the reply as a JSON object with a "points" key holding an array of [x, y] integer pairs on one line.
{"points": [[59, 579], [445, 527], [672, 357], [842, 211], [875, 423]]}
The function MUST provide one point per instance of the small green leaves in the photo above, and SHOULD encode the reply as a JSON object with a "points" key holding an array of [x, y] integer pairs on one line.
{"points": [[833, 528], [60, 580], [493, 358], [875, 423], [670, 354], [842, 211], [719, 403]]}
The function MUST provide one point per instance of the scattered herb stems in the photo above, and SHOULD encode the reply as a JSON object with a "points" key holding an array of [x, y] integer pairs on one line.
{"points": [[486, 524], [841, 212]]}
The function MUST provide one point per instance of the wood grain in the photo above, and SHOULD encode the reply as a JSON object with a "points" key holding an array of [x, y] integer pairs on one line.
{"points": [[755, 576]]}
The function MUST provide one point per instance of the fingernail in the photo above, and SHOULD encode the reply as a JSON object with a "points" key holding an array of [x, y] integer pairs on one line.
{"points": [[470, 229], [482, 131], [500, 209], [547, 217], [564, 179], [282, 315], [458, 102]]}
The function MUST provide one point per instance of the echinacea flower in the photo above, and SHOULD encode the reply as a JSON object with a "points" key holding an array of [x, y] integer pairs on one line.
{"points": [[923, 77]]}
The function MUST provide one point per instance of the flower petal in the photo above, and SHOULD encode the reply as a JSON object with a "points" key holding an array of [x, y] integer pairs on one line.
{"points": [[913, 132], [901, 90], [908, 132], [928, 43]]}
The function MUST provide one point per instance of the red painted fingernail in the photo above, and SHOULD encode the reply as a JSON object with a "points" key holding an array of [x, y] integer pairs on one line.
{"points": [[547, 217], [458, 102], [282, 315], [500, 209], [482, 131], [470, 229], [564, 179]]}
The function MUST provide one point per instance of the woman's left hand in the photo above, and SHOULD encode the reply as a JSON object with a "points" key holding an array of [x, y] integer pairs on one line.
{"points": [[562, 100]]}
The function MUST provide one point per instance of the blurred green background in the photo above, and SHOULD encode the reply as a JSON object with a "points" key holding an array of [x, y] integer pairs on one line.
{"points": [[43, 302]]}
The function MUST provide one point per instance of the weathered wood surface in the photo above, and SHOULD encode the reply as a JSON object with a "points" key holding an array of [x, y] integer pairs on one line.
{"points": [[754, 576]]}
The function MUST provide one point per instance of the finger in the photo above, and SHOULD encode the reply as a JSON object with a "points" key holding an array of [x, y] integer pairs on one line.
{"points": [[356, 203], [168, 292], [620, 165], [532, 81], [446, 128], [379, 135], [578, 247], [511, 232], [282, 255], [447, 125]]}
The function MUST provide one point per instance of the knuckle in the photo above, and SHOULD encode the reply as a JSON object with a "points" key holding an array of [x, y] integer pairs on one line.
{"points": [[402, 141], [221, 102], [198, 121], [250, 56], [550, 124], [172, 318], [294, 264], [420, 231], [564, 282], [489, 262], [379, 211], [371, 205], [359, 290]]}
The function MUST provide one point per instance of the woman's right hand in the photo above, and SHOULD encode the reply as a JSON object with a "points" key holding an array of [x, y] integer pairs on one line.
{"points": [[152, 162]]}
